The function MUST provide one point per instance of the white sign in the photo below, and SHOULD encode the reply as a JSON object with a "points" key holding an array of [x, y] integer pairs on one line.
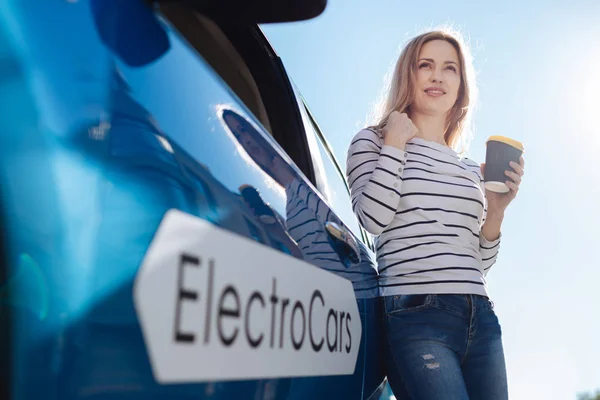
{"points": [[214, 305]]}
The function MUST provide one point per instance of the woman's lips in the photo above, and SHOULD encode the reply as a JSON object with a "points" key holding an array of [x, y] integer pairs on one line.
{"points": [[434, 92]]}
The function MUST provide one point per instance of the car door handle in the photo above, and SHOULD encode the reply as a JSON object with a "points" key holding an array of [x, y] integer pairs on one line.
{"points": [[344, 239]]}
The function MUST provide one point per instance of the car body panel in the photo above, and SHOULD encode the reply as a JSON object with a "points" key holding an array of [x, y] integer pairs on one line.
{"points": [[107, 124]]}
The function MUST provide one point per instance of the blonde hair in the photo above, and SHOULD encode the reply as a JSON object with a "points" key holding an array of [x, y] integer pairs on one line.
{"points": [[401, 90]]}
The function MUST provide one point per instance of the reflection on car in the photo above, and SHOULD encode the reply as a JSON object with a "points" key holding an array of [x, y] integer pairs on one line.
{"points": [[115, 113]]}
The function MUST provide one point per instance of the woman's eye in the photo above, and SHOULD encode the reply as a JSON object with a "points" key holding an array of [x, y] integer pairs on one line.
{"points": [[451, 68], [424, 65]]}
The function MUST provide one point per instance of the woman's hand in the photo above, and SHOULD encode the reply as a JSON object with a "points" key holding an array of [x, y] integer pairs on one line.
{"points": [[498, 202], [282, 171], [398, 130]]}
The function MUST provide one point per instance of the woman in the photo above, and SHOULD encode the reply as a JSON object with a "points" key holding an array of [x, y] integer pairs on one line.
{"points": [[435, 239]]}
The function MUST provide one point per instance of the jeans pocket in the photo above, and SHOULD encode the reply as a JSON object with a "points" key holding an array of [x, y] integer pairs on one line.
{"points": [[407, 303], [488, 305]]}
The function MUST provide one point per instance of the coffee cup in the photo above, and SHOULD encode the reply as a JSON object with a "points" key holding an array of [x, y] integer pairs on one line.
{"points": [[499, 153]]}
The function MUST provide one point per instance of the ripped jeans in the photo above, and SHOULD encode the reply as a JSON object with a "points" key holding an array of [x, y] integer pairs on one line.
{"points": [[443, 346]]}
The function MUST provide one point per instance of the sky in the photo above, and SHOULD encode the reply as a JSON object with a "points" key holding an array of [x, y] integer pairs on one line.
{"points": [[538, 65]]}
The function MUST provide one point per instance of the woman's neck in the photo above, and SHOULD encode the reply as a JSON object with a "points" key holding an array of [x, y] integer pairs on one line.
{"points": [[429, 127]]}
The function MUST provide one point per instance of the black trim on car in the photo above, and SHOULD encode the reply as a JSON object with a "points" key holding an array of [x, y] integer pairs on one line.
{"points": [[277, 94], [365, 235], [244, 12], [326, 145]]}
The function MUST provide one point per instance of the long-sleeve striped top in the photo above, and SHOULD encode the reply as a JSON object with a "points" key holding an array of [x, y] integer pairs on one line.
{"points": [[426, 206]]}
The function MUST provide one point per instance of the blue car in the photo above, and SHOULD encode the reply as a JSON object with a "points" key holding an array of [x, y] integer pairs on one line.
{"points": [[173, 223]]}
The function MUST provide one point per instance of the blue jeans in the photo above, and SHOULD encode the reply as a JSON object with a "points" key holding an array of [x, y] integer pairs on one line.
{"points": [[443, 346]]}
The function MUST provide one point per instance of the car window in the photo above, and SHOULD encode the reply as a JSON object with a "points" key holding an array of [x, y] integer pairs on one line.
{"points": [[330, 182]]}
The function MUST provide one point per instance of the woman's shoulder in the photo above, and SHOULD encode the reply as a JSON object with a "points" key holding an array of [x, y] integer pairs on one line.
{"points": [[469, 162], [367, 137], [471, 165]]}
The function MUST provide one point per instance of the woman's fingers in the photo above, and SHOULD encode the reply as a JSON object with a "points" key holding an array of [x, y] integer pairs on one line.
{"points": [[512, 186], [518, 167], [516, 178]]}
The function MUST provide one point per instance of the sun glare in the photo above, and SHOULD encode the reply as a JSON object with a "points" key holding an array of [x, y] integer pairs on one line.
{"points": [[590, 104]]}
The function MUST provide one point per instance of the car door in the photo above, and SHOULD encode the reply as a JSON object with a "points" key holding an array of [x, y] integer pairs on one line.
{"points": [[132, 175], [332, 183]]}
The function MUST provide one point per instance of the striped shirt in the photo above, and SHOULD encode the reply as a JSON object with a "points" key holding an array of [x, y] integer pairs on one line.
{"points": [[307, 215], [426, 206]]}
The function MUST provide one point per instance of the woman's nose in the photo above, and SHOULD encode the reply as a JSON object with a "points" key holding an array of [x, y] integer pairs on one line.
{"points": [[436, 76]]}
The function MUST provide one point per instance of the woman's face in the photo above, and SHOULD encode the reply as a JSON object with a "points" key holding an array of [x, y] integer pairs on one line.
{"points": [[437, 79]]}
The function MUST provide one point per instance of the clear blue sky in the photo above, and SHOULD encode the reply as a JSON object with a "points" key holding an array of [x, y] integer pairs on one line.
{"points": [[539, 79]]}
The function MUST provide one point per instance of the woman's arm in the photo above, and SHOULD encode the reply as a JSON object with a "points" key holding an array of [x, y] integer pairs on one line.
{"points": [[492, 227], [374, 172], [299, 194], [489, 238], [489, 241]]}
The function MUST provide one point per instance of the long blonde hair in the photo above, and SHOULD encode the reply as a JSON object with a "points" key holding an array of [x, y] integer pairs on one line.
{"points": [[401, 90]]}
